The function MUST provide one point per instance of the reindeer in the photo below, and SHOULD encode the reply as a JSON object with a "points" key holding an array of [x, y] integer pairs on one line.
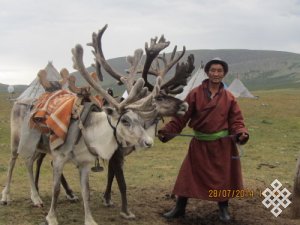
{"points": [[166, 105], [19, 112], [117, 127]]}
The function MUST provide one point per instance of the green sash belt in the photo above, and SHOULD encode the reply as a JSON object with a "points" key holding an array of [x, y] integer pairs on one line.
{"points": [[210, 137]]}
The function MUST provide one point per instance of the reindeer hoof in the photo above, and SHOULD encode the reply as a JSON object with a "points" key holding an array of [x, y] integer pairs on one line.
{"points": [[128, 216], [39, 205], [72, 198], [3, 203], [107, 203]]}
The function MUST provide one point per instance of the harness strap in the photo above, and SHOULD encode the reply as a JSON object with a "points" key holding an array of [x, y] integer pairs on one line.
{"points": [[83, 132], [115, 130], [87, 109]]}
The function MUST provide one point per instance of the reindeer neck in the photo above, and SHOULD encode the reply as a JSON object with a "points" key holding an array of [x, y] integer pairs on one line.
{"points": [[100, 136]]}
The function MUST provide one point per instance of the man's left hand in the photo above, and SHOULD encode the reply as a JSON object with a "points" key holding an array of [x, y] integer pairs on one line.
{"points": [[243, 138]]}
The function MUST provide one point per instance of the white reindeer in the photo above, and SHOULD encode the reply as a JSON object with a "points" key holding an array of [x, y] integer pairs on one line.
{"points": [[166, 105], [104, 133]]}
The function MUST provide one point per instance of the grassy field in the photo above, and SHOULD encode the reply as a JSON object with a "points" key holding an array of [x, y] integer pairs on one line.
{"points": [[273, 121]]}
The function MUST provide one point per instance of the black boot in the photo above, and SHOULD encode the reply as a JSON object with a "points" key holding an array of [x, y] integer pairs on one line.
{"points": [[178, 210], [223, 211]]}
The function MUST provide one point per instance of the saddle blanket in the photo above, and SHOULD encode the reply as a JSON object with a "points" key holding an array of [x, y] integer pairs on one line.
{"points": [[52, 114]]}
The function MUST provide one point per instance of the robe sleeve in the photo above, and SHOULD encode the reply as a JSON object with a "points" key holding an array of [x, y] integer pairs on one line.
{"points": [[177, 123], [236, 121]]}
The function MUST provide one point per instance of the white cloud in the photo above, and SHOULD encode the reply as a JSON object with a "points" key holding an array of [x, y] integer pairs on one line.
{"points": [[33, 32]]}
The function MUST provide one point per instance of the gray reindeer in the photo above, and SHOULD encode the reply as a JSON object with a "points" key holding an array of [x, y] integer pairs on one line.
{"points": [[166, 104], [116, 127]]}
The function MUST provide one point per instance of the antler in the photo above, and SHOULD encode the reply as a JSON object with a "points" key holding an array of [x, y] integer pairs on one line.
{"points": [[134, 62], [100, 59], [80, 91], [137, 92], [146, 106], [167, 65], [64, 73], [79, 65], [99, 56], [52, 86], [42, 75], [151, 53], [182, 73]]}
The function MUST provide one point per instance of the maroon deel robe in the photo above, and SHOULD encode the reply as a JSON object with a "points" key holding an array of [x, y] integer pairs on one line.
{"points": [[209, 171]]}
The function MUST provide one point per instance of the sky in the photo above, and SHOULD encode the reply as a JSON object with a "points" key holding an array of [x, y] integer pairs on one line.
{"points": [[33, 32]]}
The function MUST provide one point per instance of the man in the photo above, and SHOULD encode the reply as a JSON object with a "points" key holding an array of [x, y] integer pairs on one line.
{"points": [[211, 170]]}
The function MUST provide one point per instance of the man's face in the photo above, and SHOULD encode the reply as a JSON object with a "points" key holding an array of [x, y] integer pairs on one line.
{"points": [[216, 73]]}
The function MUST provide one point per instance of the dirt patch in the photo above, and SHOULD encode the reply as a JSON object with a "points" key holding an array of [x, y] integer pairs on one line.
{"points": [[148, 204], [244, 211]]}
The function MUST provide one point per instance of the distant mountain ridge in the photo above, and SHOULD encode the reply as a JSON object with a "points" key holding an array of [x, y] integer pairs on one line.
{"points": [[17, 88], [258, 69]]}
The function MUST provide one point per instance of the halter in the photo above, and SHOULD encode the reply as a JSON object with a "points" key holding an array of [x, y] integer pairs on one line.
{"points": [[115, 129], [97, 167]]}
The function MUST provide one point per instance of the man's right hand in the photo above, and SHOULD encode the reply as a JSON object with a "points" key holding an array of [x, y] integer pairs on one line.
{"points": [[161, 136]]}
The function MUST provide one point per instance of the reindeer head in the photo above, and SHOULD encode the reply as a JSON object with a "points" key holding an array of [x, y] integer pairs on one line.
{"points": [[167, 105], [129, 128], [127, 124]]}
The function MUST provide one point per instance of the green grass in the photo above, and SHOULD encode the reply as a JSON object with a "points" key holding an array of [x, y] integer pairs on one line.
{"points": [[274, 125], [273, 121]]}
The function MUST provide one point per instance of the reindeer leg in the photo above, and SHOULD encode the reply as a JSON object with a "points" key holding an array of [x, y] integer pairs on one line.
{"points": [[73, 133], [58, 165], [118, 168], [27, 148], [39, 162], [6, 191], [15, 139], [35, 197], [85, 190], [110, 177], [70, 194]]}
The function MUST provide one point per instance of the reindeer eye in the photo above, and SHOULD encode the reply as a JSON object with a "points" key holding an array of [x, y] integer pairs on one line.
{"points": [[125, 122], [159, 98]]}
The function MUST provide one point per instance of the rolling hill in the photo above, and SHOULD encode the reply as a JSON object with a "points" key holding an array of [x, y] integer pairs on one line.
{"points": [[258, 69]]}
